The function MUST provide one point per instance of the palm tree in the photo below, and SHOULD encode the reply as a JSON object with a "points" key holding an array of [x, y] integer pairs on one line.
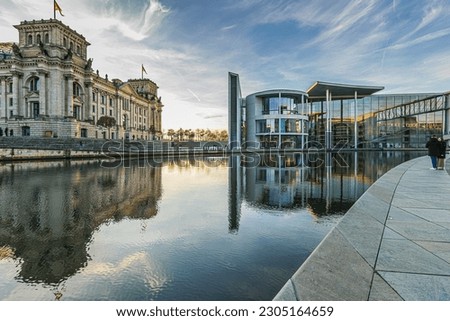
{"points": [[171, 133], [180, 133], [223, 135], [197, 133], [187, 133], [108, 122]]}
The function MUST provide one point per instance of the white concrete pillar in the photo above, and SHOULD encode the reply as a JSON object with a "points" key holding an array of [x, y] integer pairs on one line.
{"points": [[328, 120], [356, 119], [446, 126]]}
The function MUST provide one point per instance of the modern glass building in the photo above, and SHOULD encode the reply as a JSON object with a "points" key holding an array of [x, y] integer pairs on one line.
{"points": [[333, 116], [276, 118]]}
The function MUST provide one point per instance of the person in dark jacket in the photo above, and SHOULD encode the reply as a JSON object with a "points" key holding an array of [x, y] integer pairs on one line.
{"points": [[433, 146], [442, 151]]}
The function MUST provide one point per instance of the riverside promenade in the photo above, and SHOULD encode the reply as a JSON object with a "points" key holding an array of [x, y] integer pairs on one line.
{"points": [[392, 245]]}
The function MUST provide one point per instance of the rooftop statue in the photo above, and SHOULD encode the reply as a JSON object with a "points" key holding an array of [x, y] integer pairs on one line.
{"points": [[16, 50]]}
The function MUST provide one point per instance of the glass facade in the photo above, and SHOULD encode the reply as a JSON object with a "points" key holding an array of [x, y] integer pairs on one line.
{"points": [[399, 121], [282, 105], [280, 119]]}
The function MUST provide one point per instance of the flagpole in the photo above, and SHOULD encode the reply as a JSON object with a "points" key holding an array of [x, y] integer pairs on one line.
{"points": [[54, 11]]}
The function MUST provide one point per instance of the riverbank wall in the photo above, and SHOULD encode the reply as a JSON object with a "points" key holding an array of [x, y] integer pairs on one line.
{"points": [[15, 148], [27, 148]]}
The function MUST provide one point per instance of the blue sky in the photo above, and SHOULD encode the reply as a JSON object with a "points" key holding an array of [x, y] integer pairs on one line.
{"points": [[188, 46]]}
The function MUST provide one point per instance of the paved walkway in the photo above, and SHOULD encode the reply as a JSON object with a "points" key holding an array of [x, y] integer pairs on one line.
{"points": [[393, 244]]}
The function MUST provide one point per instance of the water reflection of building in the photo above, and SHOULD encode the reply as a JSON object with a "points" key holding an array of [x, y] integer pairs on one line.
{"points": [[323, 183], [48, 218], [234, 192]]}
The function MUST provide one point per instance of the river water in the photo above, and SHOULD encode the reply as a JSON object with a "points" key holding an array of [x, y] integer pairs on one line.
{"points": [[223, 228]]}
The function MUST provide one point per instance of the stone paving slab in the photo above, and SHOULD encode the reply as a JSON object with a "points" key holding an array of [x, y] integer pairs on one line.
{"points": [[323, 278], [408, 257], [382, 291], [419, 287], [393, 244]]}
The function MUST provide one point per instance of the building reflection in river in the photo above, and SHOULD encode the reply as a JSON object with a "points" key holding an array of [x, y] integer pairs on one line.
{"points": [[48, 224], [324, 183], [80, 231]]}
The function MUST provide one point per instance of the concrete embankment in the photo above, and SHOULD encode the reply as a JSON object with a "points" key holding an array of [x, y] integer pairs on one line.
{"points": [[32, 148], [393, 244]]}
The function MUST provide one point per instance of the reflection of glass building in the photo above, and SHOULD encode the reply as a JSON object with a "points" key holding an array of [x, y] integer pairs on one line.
{"points": [[330, 115], [324, 184]]}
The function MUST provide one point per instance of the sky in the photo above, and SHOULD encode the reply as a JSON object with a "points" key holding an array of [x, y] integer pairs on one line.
{"points": [[188, 46]]}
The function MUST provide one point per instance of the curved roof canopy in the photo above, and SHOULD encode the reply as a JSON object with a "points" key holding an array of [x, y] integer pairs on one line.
{"points": [[339, 91], [282, 92]]}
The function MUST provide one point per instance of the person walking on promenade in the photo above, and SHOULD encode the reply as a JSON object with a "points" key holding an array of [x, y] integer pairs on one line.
{"points": [[433, 146], [442, 151]]}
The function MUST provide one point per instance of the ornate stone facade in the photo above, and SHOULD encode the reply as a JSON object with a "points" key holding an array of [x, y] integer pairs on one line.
{"points": [[48, 88]]}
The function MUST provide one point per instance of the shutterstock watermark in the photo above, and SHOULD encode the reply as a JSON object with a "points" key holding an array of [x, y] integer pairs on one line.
{"points": [[211, 154]]}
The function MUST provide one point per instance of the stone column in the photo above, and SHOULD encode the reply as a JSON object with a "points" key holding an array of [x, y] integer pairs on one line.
{"points": [[69, 93], [132, 106], [3, 102], [15, 93], [87, 101], [43, 93]]}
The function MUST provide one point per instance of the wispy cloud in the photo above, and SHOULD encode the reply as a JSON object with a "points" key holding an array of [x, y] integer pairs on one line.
{"points": [[189, 46], [422, 39]]}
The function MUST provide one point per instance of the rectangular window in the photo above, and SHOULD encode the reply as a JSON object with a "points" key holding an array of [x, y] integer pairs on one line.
{"points": [[94, 96], [110, 102], [10, 87], [261, 127], [11, 101], [110, 112], [103, 99], [35, 110], [103, 111], [93, 108]]}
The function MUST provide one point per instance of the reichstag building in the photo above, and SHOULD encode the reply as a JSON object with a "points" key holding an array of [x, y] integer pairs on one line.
{"points": [[49, 89]]}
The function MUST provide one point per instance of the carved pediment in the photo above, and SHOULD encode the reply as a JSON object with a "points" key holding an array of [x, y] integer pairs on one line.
{"points": [[32, 95], [77, 100], [128, 89]]}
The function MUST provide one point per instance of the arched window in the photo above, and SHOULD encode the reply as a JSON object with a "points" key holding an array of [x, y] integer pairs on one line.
{"points": [[77, 90], [47, 38], [65, 42], [38, 39], [78, 50], [71, 45], [30, 40], [34, 84]]}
